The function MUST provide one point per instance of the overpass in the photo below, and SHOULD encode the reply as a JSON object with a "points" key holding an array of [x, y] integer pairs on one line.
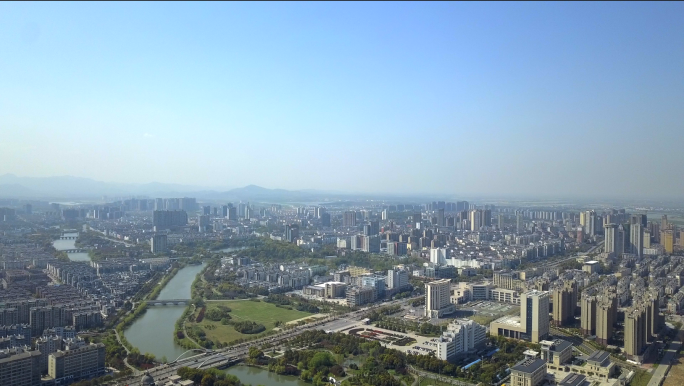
{"points": [[168, 302], [68, 237], [77, 250]]}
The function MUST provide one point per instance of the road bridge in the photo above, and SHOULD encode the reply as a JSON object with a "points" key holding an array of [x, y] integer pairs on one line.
{"points": [[168, 302]]}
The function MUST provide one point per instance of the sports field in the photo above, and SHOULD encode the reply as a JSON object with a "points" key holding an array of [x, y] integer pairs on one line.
{"points": [[259, 312]]}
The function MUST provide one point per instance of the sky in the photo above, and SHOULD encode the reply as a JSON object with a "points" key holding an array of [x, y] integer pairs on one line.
{"points": [[475, 98]]}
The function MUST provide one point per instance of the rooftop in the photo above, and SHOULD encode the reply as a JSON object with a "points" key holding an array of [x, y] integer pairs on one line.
{"points": [[558, 345], [529, 365], [572, 380], [599, 357], [509, 320]]}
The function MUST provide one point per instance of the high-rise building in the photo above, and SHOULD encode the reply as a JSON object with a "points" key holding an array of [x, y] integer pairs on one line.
{"points": [[606, 317], [487, 217], [158, 244], [636, 238], [476, 220], [591, 223], [635, 332], [82, 362], [588, 314], [47, 345], [185, 203], [291, 232], [203, 223], [169, 218], [397, 278], [534, 312], [439, 256], [349, 219], [440, 217], [241, 209], [621, 240], [564, 302], [206, 210], [438, 298], [461, 336], [19, 367], [232, 213], [518, 223], [370, 244], [500, 222], [667, 240], [325, 219], [610, 245]]}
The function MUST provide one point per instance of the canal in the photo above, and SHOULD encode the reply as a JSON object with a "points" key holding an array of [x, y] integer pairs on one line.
{"points": [[153, 332], [256, 376], [63, 245]]}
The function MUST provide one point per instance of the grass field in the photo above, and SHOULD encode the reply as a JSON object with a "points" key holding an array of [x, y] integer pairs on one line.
{"points": [[641, 378], [676, 375], [260, 312]]}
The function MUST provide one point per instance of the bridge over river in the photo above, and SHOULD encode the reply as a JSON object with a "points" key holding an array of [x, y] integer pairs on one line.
{"points": [[168, 302]]}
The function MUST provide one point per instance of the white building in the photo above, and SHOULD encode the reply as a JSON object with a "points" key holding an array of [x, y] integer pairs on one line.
{"points": [[439, 256], [462, 336], [438, 298], [397, 278]]}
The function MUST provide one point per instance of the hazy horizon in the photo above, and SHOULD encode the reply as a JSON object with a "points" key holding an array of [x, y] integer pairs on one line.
{"points": [[505, 100]]}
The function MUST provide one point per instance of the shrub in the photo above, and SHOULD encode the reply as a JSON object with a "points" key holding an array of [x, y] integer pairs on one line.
{"points": [[248, 327]]}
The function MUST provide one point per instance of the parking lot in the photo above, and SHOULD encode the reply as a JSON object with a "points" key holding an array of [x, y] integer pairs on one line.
{"points": [[485, 311], [424, 348]]}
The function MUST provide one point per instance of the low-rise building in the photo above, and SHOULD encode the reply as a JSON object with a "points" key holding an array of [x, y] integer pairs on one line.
{"points": [[528, 372], [556, 352], [358, 296]]}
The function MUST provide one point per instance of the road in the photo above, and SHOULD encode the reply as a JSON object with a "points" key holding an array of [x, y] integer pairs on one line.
{"points": [[664, 366], [222, 357], [185, 331], [118, 339]]}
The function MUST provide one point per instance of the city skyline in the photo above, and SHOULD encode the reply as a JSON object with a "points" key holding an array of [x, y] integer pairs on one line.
{"points": [[519, 99]]}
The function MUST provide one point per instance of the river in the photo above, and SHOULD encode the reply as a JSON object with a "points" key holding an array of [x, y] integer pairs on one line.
{"points": [[62, 245], [256, 376], [153, 332]]}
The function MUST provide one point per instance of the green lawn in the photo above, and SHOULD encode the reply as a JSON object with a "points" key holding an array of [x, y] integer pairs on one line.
{"points": [[260, 312], [641, 378]]}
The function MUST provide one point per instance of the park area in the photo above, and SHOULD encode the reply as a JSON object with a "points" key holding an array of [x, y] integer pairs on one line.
{"points": [[266, 314]]}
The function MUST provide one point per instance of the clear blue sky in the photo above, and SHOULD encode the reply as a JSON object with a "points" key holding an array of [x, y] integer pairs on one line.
{"points": [[478, 98]]}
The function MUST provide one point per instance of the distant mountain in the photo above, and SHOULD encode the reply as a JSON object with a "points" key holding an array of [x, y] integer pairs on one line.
{"points": [[78, 187], [14, 190], [254, 192]]}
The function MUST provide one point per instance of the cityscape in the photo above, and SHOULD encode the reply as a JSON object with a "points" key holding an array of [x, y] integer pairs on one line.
{"points": [[348, 194]]}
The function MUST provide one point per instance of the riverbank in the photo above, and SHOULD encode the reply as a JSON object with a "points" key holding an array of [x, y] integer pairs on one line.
{"points": [[153, 332]]}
